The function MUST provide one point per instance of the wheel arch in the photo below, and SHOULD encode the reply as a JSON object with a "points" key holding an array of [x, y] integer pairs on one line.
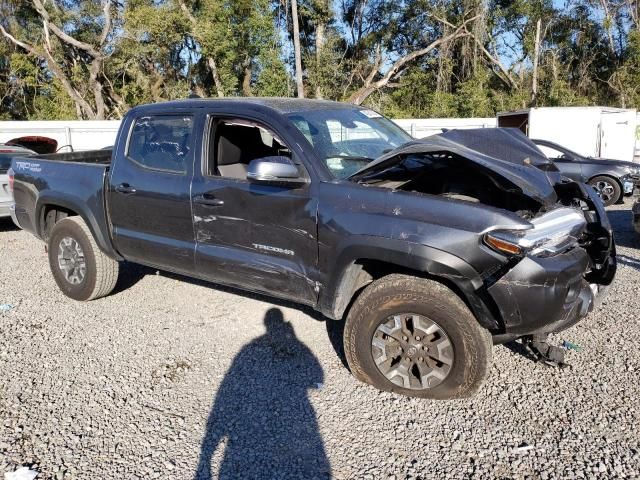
{"points": [[354, 272], [68, 206]]}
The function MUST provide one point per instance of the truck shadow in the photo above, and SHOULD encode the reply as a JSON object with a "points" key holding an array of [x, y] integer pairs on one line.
{"points": [[624, 233], [131, 273], [7, 225], [262, 423]]}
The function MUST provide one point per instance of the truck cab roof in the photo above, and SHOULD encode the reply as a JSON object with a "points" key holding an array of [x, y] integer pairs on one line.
{"points": [[279, 104]]}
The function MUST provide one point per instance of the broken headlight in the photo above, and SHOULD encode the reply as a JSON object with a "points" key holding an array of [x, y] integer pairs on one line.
{"points": [[552, 233]]}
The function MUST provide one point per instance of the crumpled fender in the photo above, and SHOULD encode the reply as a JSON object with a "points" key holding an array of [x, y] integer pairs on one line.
{"points": [[336, 295]]}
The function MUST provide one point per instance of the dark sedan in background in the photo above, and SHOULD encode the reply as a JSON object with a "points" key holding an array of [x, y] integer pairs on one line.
{"points": [[612, 179]]}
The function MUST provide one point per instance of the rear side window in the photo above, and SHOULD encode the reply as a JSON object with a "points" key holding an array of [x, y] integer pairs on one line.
{"points": [[163, 142]]}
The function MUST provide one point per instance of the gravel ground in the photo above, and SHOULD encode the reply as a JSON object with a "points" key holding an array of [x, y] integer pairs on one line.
{"points": [[128, 386]]}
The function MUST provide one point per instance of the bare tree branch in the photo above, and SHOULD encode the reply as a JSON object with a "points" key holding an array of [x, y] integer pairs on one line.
{"points": [[17, 42], [506, 76], [58, 32], [370, 86], [106, 10]]}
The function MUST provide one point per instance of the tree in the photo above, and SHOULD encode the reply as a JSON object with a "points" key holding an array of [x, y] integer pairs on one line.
{"points": [[296, 48], [377, 79], [66, 54]]}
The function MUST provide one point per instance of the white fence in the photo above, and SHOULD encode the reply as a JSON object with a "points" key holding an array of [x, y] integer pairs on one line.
{"points": [[81, 134]]}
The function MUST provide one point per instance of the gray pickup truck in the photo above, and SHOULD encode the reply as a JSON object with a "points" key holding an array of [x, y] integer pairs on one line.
{"points": [[430, 250]]}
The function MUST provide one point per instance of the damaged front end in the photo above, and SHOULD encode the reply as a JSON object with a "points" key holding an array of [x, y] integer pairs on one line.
{"points": [[548, 262], [557, 268]]}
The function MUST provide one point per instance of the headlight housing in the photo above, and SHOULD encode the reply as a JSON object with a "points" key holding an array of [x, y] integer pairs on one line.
{"points": [[550, 234]]}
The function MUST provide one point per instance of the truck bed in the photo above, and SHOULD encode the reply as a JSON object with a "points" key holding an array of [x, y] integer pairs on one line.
{"points": [[101, 157], [72, 181]]}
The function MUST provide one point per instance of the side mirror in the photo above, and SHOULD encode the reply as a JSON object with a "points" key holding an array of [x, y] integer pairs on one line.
{"points": [[276, 170]]}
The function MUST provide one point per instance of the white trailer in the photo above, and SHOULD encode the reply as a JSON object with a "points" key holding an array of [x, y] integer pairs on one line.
{"points": [[424, 127], [79, 134], [591, 131]]}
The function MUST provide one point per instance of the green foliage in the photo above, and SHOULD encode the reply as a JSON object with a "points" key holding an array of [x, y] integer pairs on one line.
{"points": [[52, 103], [273, 79], [164, 49]]}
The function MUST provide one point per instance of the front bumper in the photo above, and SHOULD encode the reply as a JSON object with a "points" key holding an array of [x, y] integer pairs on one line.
{"points": [[544, 295], [630, 183], [628, 187]]}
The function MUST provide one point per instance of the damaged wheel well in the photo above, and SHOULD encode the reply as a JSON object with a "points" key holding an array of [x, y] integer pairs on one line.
{"points": [[362, 272]]}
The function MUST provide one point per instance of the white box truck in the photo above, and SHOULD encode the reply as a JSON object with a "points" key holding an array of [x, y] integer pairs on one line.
{"points": [[590, 131]]}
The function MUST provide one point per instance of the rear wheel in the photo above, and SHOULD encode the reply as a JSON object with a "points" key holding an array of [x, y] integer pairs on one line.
{"points": [[416, 337], [608, 189], [81, 270]]}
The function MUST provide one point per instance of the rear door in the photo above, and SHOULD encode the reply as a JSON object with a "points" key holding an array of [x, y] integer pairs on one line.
{"points": [[149, 202], [258, 237]]}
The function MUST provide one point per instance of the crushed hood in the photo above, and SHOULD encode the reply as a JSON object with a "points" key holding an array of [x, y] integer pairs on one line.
{"points": [[505, 151]]}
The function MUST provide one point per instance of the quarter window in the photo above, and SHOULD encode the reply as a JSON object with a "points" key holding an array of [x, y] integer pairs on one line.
{"points": [[162, 143]]}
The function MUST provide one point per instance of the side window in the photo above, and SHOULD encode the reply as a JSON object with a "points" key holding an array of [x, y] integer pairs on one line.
{"points": [[162, 142], [551, 152], [234, 143]]}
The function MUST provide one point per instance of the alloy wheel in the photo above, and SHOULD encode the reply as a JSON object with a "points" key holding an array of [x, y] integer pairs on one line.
{"points": [[71, 260], [412, 351]]}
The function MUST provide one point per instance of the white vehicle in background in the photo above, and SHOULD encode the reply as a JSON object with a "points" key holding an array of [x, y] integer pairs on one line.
{"points": [[7, 152], [590, 131], [71, 135]]}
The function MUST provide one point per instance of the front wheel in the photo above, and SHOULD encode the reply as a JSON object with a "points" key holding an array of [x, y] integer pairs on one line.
{"points": [[81, 270], [608, 189], [416, 337]]}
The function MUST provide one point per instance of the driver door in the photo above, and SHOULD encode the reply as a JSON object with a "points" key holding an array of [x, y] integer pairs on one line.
{"points": [[254, 236]]}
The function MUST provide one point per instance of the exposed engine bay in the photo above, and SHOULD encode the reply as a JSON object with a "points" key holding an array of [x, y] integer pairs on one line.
{"points": [[453, 176]]}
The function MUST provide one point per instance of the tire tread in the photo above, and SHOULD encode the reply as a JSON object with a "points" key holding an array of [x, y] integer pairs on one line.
{"points": [[402, 288], [107, 269]]}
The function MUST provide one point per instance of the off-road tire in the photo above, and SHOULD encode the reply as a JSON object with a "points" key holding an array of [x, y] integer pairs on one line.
{"points": [[397, 294], [101, 271], [616, 196]]}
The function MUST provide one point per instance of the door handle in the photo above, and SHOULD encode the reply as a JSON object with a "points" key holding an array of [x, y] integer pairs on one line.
{"points": [[208, 200], [125, 188]]}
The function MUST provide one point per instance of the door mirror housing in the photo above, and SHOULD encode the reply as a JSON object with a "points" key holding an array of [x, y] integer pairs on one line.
{"points": [[275, 170]]}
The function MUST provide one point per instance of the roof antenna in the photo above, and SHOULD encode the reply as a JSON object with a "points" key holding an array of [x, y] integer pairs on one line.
{"points": [[194, 95]]}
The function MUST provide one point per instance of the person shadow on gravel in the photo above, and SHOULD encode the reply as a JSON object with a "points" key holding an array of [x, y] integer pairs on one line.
{"points": [[262, 423]]}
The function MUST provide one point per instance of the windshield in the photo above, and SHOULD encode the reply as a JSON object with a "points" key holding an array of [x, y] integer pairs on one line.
{"points": [[348, 139]]}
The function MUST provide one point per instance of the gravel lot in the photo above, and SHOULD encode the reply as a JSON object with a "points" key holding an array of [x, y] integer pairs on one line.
{"points": [[128, 386]]}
